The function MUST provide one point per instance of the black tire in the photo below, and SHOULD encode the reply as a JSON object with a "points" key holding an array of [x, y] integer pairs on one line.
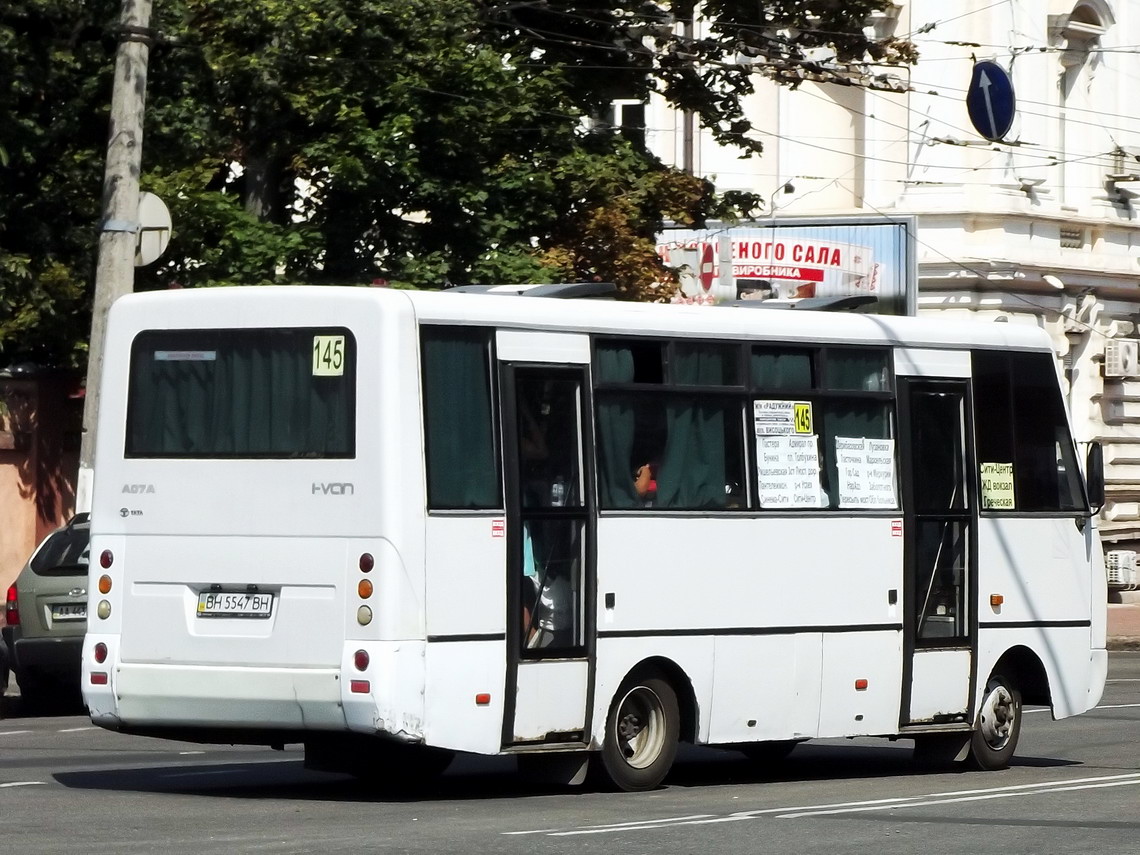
{"points": [[36, 693], [998, 726], [399, 767], [642, 731], [378, 763]]}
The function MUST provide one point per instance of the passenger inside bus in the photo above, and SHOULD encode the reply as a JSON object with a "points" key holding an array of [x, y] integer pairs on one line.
{"points": [[645, 483], [547, 589]]}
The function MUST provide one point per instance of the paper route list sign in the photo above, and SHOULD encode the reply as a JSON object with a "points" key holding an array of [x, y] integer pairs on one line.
{"points": [[788, 466], [866, 472]]}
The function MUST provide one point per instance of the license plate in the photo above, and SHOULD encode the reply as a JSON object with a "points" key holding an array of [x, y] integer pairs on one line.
{"points": [[69, 611], [234, 604]]}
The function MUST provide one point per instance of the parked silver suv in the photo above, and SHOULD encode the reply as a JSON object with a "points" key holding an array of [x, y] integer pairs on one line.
{"points": [[46, 611]]}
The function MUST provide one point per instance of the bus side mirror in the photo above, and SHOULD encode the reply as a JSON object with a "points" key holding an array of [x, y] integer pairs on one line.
{"points": [[1094, 476]]}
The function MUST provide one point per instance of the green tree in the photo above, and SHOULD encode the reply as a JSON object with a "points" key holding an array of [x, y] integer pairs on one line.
{"points": [[54, 99], [420, 141]]}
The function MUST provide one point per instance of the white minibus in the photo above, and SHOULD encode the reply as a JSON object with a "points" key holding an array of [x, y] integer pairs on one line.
{"points": [[396, 525]]}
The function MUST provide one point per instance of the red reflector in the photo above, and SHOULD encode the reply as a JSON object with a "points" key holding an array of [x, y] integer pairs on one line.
{"points": [[98, 678], [100, 652], [359, 687], [106, 559], [12, 607], [860, 684], [482, 699], [360, 659]]}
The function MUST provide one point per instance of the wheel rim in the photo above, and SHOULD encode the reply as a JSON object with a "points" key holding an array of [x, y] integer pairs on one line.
{"points": [[997, 718], [640, 729]]}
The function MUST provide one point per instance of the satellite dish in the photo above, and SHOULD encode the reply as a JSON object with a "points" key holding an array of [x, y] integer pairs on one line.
{"points": [[154, 229]]}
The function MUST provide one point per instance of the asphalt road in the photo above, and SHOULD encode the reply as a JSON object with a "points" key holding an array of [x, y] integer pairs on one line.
{"points": [[1074, 787]]}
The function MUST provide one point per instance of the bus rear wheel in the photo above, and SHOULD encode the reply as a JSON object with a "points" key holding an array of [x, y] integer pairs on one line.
{"points": [[377, 763], [998, 726], [642, 731]]}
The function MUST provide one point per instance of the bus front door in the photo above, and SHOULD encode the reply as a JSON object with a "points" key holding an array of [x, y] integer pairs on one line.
{"points": [[939, 552], [549, 583]]}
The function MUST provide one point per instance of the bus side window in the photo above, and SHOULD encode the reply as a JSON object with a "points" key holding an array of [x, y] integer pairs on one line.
{"points": [[692, 439], [1021, 426], [459, 430]]}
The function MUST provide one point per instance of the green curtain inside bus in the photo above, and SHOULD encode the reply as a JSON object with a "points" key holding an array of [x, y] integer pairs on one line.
{"points": [[615, 431], [857, 370], [461, 463], [788, 369], [692, 471], [239, 393]]}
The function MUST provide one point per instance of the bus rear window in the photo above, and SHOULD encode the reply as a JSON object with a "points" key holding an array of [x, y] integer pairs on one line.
{"points": [[242, 393]]}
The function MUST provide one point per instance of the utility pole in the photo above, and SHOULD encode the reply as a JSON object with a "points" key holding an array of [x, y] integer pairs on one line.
{"points": [[118, 235]]}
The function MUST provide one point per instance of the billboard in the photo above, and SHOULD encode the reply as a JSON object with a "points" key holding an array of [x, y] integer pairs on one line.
{"points": [[790, 259]]}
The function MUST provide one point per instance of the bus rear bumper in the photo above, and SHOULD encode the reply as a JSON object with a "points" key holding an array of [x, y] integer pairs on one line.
{"points": [[154, 695]]}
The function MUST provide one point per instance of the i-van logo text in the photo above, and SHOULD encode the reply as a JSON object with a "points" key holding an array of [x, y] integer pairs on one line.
{"points": [[138, 488], [333, 488]]}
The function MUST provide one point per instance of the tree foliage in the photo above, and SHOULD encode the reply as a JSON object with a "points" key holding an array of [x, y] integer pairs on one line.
{"points": [[421, 141]]}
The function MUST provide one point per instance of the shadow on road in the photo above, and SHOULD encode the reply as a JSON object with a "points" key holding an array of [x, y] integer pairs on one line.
{"points": [[486, 778]]}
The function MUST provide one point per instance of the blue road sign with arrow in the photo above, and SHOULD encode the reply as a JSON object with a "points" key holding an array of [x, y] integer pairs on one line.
{"points": [[990, 100]]}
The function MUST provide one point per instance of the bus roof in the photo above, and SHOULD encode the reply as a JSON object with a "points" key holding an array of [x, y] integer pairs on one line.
{"points": [[249, 307]]}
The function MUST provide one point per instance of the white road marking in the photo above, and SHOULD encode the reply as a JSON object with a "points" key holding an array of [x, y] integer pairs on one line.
{"points": [[21, 784], [76, 729], [1044, 789], [13, 732], [951, 797], [1094, 709], [532, 831], [632, 825]]}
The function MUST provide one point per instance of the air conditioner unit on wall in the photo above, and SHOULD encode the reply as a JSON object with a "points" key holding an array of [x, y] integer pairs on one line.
{"points": [[1122, 358], [1120, 565]]}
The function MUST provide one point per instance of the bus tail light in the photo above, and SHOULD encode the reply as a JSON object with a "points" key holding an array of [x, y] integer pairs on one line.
{"points": [[360, 660], [100, 652], [106, 559], [12, 607], [367, 562], [104, 584]]}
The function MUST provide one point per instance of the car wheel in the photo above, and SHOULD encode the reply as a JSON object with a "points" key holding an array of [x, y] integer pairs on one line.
{"points": [[35, 692]]}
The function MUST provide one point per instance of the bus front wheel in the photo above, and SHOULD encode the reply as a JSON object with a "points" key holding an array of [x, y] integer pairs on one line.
{"points": [[998, 726], [642, 731]]}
